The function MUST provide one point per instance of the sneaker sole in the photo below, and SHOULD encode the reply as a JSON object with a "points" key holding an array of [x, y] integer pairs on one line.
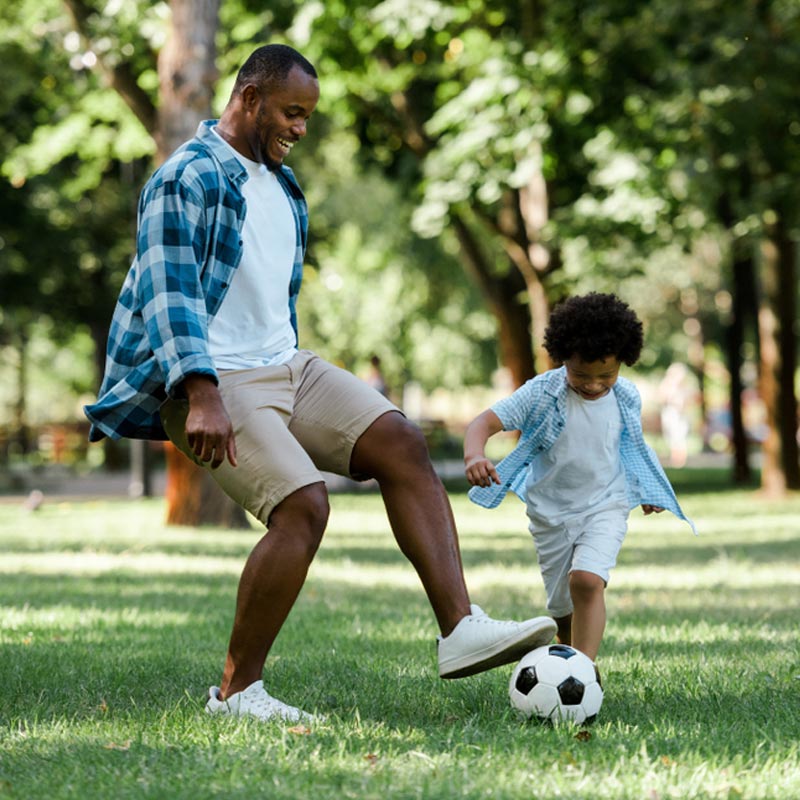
{"points": [[501, 652]]}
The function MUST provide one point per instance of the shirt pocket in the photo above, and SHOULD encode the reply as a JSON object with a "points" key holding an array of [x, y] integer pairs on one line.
{"points": [[613, 436]]}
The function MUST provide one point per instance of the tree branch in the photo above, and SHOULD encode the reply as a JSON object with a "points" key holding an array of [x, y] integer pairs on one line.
{"points": [[119, 76]]}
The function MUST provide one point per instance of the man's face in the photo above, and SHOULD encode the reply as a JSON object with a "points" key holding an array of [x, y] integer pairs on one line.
{"points": [[281, 117], [592, 379]]}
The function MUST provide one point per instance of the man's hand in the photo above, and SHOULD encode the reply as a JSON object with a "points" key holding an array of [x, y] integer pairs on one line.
{"points": [[480, 471], [208, 426], [648, 509]]}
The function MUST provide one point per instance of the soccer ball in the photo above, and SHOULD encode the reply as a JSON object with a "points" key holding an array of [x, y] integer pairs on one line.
{"points": [[556, 682]]}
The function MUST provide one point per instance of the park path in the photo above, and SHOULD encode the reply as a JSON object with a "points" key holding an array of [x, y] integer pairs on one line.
{"points": [[62, 485]]}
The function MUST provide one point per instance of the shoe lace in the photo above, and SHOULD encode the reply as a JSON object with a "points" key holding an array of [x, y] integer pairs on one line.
{"points": [[484, 619], [266, 702]]}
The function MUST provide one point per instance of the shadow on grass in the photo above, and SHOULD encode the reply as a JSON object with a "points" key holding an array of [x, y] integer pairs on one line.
{"points": [[517, 550], [147, 642]]}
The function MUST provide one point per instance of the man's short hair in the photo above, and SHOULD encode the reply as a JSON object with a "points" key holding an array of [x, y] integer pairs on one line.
{"points": [[269, 66]]}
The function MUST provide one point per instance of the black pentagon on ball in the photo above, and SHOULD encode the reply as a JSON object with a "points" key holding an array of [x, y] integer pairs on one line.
{"points": [[561, 651], [571, 691], [526, 680]]}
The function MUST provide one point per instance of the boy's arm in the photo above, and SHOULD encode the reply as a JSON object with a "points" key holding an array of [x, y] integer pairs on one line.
{"points": [[479, 470]]}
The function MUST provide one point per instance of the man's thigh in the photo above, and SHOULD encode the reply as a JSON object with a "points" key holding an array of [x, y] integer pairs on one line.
{"points": [[332, 409], [271, 463]]}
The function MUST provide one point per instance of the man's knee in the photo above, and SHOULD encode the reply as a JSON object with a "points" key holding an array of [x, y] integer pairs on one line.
{"points": [[399, 439], [303, 513]]}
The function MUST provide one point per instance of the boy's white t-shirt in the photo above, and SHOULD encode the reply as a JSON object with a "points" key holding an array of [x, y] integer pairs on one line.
{"points": [[582, 472], [253, 326]]}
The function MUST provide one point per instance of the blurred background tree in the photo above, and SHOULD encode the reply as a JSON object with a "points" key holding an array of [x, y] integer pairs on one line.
{"points": [[469, 165]]}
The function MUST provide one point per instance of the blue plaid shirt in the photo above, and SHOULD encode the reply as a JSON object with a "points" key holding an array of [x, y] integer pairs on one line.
{"points": [[189, 243], [539, 410]]}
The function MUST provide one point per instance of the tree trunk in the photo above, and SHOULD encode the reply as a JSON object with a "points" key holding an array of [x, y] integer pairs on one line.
{"points": [[187, 74], [744, 313], [773, 481], [786, 311], [193, 497], [779, 355], [20, 424], [534, 210], [734, 340], [503, 297]]}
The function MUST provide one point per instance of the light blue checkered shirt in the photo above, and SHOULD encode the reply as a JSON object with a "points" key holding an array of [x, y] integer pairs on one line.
{"points": [[538, 410], [189, 243]]}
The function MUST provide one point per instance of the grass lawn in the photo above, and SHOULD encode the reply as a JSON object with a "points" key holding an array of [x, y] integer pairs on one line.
{"points": [[112, 627]]}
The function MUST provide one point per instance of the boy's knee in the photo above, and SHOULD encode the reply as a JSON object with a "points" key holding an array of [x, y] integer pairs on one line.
{"points": [[585, 584]]}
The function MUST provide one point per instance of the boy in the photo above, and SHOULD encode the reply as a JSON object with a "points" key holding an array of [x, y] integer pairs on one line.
{"points": [[581, 463]]}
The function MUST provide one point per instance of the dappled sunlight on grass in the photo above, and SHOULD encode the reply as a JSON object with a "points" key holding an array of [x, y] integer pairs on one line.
{"points": [[92, 563], [65, 617], [114, 625]]}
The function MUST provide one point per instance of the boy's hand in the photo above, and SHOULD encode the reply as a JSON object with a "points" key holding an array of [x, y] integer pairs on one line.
{"points": [[480, 471], [648, 509]]}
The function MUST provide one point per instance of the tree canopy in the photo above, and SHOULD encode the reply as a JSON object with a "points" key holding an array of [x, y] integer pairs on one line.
{"points": [[470, 164]]}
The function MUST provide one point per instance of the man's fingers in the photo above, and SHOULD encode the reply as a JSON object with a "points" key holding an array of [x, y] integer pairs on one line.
{"points": [[232, 450]]}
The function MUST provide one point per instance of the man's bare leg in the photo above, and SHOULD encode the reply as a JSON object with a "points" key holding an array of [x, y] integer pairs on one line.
{"points": [[271, 581], [394, 452]]}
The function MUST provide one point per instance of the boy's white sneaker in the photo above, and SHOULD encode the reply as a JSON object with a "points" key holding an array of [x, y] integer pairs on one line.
{"points": [[479, 642], [254, 701]]}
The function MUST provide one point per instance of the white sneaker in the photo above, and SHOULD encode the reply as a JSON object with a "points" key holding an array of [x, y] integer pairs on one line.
{"points": [[479, 643], [254, 701]]}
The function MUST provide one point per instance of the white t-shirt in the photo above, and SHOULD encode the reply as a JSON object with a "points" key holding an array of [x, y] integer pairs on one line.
{"points": [[582, 472], [253, 326]]}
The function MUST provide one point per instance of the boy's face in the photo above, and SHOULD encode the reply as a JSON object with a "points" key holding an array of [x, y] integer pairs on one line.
{"points": [[592, 379]]}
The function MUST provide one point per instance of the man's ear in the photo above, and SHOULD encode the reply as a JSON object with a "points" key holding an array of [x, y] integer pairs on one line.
{"points": [[250, 97]]}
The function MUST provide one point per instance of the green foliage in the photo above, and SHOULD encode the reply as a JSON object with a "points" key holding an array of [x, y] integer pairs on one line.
{"points": [[112, 633], [640, 117], [377, 289], [59, 365], [72, 156]]}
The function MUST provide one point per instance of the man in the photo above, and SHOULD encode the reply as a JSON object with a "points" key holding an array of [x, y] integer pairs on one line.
{"points": [[203, 350]]}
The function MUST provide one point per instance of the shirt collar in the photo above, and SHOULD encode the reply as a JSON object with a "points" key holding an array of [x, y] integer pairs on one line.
{"points": [[234, 168]]}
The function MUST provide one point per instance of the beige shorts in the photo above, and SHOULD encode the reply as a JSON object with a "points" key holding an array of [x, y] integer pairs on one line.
{"points": [[290, 422]]}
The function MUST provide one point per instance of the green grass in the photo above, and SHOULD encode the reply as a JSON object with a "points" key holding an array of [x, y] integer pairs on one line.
{"points": [[112, 627]]}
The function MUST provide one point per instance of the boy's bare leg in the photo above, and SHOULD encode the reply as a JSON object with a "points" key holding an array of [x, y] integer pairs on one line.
{"points": [[564, 633], [589, 613]]}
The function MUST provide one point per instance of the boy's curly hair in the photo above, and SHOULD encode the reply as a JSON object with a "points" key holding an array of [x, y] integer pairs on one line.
{"points": [[593, 327]]}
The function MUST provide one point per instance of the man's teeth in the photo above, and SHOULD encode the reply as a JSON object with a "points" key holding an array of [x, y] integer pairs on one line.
{"points": [[285, 144]]}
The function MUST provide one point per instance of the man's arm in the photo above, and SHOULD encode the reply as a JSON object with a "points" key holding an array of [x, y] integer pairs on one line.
{"points": [[208, 426]]}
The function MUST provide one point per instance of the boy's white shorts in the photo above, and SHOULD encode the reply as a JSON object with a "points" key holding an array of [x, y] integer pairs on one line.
{"points": [[590, 543]]}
